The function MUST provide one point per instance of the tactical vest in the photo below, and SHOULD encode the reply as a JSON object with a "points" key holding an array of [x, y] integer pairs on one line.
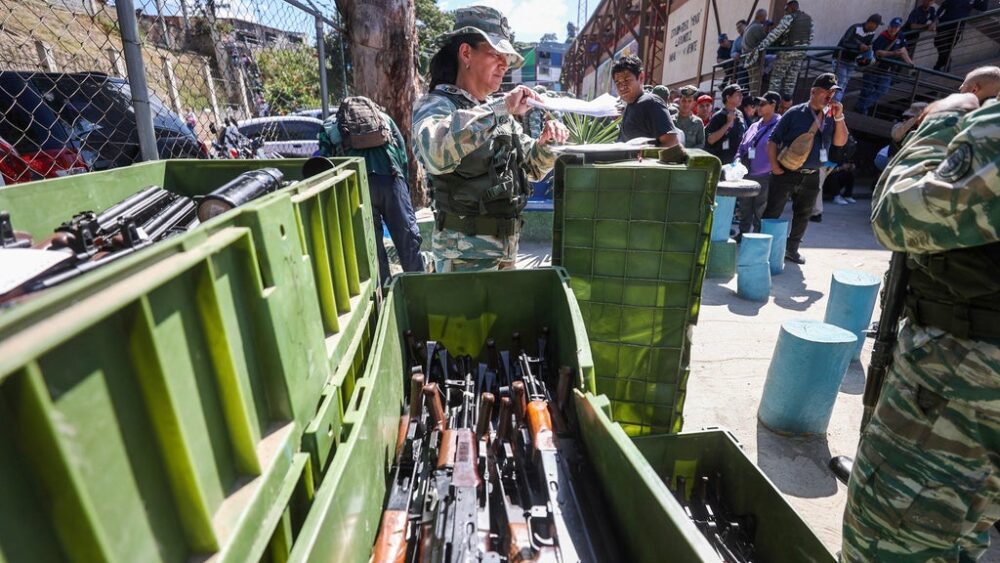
{"points": [[798, 33], [957, 291], [488, 190]]}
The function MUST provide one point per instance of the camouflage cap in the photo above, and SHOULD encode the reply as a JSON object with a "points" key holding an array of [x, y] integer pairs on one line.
{"points": [[489, 23], [662, 91], [688, 91]]}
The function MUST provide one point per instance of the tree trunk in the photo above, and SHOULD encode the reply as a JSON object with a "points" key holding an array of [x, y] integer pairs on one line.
{"points": [[383, 46]]}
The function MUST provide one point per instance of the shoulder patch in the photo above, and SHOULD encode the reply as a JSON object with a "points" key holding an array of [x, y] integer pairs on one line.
{"points": [[957, 165]]}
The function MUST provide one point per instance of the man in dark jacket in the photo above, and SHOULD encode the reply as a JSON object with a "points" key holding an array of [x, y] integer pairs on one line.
{"points": [[950, 29], [856, 41]]}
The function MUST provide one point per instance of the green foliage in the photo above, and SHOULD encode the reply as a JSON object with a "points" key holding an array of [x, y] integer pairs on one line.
{"points": [[586, 130], [549, 37], [290, 77], [431, 22], [338, 66]]}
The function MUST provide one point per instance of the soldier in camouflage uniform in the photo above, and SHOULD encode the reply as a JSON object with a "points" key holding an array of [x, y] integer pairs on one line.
{"points": [[476, 155], [926, 482], [691, 125], [794, 30]]}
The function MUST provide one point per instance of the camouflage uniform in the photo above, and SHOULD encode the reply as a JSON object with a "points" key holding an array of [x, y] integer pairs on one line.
{"points": [[694, 131], [443, 136], [926, 482], [795, 29]]}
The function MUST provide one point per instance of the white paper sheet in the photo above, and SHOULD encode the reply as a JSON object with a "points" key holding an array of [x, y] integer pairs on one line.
{"points": [[636, 144], [18, 265], [605, 105]]}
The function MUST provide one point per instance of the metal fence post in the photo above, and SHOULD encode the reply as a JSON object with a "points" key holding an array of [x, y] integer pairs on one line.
{"points": [[46, 58], [137, 79], [168, 75], [324, 92], [242, 82], [206, 69], [343, 62], [114, 57]]}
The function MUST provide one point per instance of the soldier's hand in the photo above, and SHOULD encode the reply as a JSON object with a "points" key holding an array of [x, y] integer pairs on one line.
{"points": [[962, 103], [517, 100], [836, 109], [554, 131]]}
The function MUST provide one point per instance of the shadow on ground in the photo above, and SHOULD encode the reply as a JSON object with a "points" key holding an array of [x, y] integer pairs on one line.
{"points": [[796, 465], [790, 291], [854, 379]]}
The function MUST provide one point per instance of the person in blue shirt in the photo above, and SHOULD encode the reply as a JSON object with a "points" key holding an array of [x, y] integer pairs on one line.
{"points": [[802, 185], [387, 167], [888, 46]]}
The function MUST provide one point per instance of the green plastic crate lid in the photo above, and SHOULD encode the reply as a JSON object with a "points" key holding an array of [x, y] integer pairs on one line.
{"points": [[634, 238]]}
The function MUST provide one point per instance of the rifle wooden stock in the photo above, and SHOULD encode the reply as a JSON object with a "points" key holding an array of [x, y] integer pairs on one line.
{"points": [[486, 401], [503, 425], [404, 427], [390, 545], [434, 407], [446, 453], [520, 397], [540, 426], [519, 550], [416, 385], [464, 459], [563, 387]]}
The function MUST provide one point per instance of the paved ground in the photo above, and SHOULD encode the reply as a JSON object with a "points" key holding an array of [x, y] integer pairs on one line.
{"points": [[732, 349]]}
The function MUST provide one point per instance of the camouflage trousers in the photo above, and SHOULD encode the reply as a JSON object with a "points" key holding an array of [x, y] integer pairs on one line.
{"points": [[926, 481], [785, 73], [455, 251]]}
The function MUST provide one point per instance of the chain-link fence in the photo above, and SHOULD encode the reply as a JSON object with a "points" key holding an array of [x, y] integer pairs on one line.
{"points": [[240, 79]]}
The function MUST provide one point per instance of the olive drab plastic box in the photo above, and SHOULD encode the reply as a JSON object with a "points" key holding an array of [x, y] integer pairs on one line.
{"points": [[227, 394], [185, 401], [634, 237]]}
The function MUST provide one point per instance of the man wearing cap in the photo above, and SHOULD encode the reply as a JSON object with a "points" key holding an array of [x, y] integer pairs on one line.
{"points": [[794, 30], [802, 185], [478, 159], [752, 36], [855, 44], [922, 18], [925, 484], [753, 149], [704, 108], [888, 46], [725, 130], [645, 114], [691, 125]]}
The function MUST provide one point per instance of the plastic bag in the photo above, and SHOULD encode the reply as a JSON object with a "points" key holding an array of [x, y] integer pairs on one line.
{"points": [[734, 171]]}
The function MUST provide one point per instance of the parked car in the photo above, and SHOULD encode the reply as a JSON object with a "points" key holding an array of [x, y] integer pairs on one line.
{"points": [[288, 135], [69, 120], [315, 113]]}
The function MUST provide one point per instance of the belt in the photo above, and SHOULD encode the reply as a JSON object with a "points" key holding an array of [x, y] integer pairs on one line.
{"points": [[478, 224], [961, 320], [807, 171]]}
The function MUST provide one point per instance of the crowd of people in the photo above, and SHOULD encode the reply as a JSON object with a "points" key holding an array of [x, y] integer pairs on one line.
{"points": [[877, 56]]}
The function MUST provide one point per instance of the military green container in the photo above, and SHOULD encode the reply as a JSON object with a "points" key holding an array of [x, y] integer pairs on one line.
{"points": [[185, 401], [634, 237], [462, 310], [782, 536]]}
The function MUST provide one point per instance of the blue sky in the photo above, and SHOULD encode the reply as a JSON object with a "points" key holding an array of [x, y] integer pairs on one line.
{"points": [[530, 19]]}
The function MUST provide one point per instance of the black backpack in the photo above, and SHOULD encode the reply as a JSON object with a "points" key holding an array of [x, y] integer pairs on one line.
{"points": [[361, 125]]}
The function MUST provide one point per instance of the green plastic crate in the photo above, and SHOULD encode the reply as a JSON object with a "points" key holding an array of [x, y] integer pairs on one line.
{"points": [[461, 310], [634, 237], [185, 401], [782, 536]]}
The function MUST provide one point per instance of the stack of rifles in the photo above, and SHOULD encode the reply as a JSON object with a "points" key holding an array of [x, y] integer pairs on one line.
{"points": [[488, 468], [90, 240]]}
